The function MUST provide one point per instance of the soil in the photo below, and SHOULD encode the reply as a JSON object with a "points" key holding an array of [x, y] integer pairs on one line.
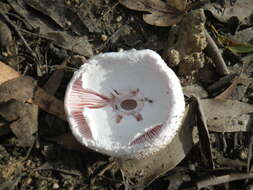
{"points": [[50, 164]]}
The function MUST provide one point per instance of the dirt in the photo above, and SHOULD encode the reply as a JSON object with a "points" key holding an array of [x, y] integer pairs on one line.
{"points": [[53, 161]]}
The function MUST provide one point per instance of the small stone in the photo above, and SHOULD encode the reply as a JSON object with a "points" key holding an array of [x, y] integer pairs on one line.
{"points": [[104, 37], [68, 23], [55, 186], [29, 181], [243, 155], [28, 163], [119, 18], [67, 2]]}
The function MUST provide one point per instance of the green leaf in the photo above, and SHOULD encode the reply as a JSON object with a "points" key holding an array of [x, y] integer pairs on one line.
{"points": [[242, 48]]}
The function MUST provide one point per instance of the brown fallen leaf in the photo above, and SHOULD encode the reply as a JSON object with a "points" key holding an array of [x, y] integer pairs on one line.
{"points": [[21, 116], [55, 80], [49, 103], [161, 13], [7, 73], [69, 142], [227, 94], [230, 92], [204, 137], [23, 120], [226, 116], [79, 45], [242, 10], [20, 89], [58, 16], [40, 97]]}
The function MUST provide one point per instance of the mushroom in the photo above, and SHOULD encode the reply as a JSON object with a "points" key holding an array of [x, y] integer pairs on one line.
{"points": [[125, 104]]}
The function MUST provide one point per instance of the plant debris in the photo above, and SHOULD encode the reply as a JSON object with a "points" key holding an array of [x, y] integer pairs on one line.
{"points": [[208, 44], [161, 13], [241, 10], [22, 117]]}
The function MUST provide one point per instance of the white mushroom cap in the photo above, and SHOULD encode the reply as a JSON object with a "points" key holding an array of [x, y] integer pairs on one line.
{"points": [[125, 104]]}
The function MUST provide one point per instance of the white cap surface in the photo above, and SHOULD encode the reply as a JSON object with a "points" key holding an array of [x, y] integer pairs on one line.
{"points": [[126, 103]]}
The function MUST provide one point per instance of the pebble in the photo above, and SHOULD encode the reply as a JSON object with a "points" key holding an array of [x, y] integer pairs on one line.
{"points": [[29, 181], [104, 37], [55, 186], [119, 18], [243, 155]]}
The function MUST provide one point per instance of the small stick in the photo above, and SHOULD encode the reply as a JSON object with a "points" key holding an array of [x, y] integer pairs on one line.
{"points": [[213, 50], [216, 180], [19, 33]]}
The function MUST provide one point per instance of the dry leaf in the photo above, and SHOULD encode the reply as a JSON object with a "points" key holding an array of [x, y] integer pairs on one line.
{"points": [[229, 92], [79, 45], [22, 117], [20, 89], [162, 19], [55, 80], [195, 90], [204, 137], [7, 73], [226, 116], [148, 169], [23, 120], [62, 17], [240, 9], [49, 103], [40, 97], [179, 4], [161, 13], [68, 141]]}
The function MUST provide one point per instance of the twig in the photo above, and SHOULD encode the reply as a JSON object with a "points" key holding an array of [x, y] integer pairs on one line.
{"points": [[216, 180], [109, 166], [213, 50], [19, 33], [109, 10], [250, 146]]}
